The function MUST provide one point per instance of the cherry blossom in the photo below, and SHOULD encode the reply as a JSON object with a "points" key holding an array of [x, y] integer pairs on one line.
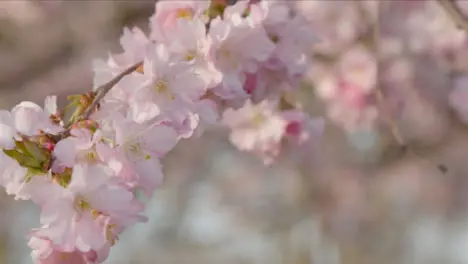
{"points": [[203, 64]]}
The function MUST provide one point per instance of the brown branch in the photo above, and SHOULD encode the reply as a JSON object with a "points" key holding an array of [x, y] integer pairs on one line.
{"points": [[100, 92], [454, 12]]}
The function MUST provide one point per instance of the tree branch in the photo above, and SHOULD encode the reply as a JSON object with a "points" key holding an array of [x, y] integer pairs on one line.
{"points": [[454, 12], [100, 92]]}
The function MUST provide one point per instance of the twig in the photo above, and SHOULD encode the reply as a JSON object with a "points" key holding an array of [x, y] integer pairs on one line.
{"points": [[394, 129], [454, 12], [100, 92]]}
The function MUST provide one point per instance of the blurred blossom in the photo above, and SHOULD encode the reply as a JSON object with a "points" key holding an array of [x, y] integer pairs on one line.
{"points": [[358, 199], [459, 97], [338, 23]]}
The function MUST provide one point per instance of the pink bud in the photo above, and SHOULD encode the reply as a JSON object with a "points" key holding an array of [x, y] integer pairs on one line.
{"points": [[293, 128], [49, 146]]}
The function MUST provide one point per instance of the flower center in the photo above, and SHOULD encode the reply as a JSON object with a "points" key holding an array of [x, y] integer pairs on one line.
{"points": [[225, 53], [185, 13], [274, 38], [190, 55], [258, 119], [82, 205], [227, 58], [162, 87], [135, 149], [88, 155]]}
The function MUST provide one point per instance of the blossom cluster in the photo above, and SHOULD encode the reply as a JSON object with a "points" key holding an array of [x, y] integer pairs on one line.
{"points": [[344, 73], [202, 64]]}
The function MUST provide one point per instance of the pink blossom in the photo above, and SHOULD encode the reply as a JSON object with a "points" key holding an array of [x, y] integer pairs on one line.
{"points": [[45, 253], [252, 54], [163, 81], [189, 43], [7, 130], [68, 216], [237, 47], [169, 11], [359, 67], [139, 149], [81, 147], [292, 36], [12, 175], [300, 127], [256, 128], [26, 118], [135, 45]]}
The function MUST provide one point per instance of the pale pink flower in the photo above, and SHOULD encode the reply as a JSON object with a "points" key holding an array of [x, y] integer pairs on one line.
{"points": [[268, 83], [142, 140], [81, 147], [135, 45], [12, 175], [120, 99], [238, 46], [188, 118], [207, 110], [7, 130], [300, 127], [347, 104], [292, 35], [44, 252], [359, 67], [338, 23], [50, 104], [168, 12], [347, 89], [256, 128], [163, 81], [189, 43], [68, 215], [104, 70], [139, 149], [182, 118], [27, 118]]}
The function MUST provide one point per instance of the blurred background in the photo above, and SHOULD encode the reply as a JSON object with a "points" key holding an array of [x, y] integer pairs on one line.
{"points": [[386, 184]]}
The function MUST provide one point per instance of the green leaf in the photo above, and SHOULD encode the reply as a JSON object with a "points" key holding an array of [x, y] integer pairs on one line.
{"points": [[64, 178], [20, 146], [23, 159], [35, 151], [74, 98], [31, 173], [14, 154]]}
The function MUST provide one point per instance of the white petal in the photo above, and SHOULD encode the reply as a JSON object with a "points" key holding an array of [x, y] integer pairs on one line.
{"points": [[51, 104], [65, 152]]}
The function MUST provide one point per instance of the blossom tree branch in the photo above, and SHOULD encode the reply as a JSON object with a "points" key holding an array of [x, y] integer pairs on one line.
{"points": [[102, 90], [454, 12]]}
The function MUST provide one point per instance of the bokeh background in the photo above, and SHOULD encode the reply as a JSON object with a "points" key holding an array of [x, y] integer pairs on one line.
{"points": [[362, 196]]}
